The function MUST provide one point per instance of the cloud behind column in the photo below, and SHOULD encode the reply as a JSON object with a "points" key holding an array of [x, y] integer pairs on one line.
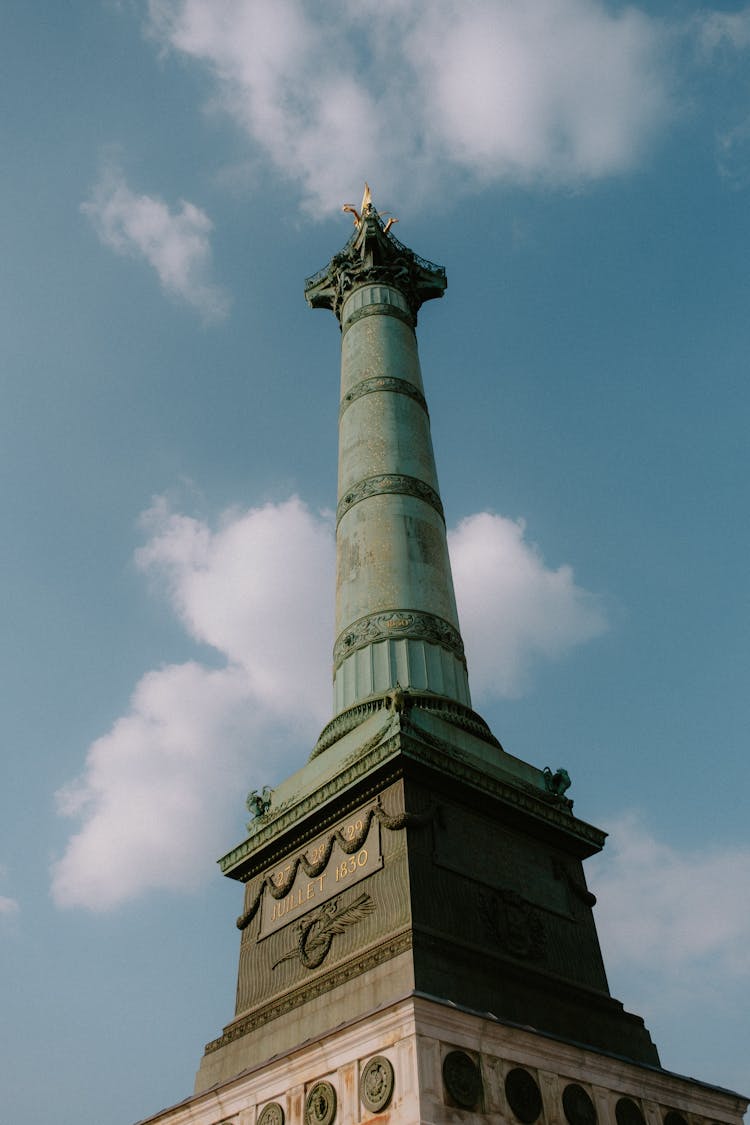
{"points": [[158, 789]]}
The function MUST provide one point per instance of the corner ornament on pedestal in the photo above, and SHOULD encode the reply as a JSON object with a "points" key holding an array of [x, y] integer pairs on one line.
{"points": [[258, 803]]}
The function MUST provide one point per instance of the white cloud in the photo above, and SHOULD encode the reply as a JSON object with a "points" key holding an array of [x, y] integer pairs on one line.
{"points": [[8, 907], [159, 789], [513, 608], [666, 916], [175, 243], [417, 96]]}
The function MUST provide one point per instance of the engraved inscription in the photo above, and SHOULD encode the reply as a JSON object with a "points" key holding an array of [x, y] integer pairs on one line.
{"points": [[341, 871]]}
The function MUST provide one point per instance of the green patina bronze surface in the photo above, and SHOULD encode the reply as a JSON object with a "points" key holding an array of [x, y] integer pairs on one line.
{"points": [[396, 618], [410, 852]]}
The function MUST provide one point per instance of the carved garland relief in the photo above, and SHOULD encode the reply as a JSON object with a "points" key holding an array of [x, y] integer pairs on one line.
{"points": [[397, 623], [307, 879]]}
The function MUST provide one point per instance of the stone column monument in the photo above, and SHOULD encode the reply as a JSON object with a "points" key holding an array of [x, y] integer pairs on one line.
{"points": [[417, 937]]}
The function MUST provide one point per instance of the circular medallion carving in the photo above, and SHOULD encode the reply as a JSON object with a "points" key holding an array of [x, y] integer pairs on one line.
{"points": [[320, 1104], [272, 1114], [376, 1084], [462, 1079], [523, 1094], [578, 1106], [674, 1118], [628, 1113]]}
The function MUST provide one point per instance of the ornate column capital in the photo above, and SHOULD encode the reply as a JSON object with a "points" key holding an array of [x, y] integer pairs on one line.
{"points": [[373, 256]]}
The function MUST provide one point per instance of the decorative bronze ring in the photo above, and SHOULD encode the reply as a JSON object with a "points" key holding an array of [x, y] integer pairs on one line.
{"points": [[378, 310], [382, 383], [389, 484], [397, 623]]}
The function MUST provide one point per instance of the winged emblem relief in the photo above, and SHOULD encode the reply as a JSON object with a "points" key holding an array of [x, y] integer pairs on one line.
{"points": [[316, 933]]}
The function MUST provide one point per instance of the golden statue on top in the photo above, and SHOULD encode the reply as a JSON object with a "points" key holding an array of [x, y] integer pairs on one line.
{"points": [[364, 209]]}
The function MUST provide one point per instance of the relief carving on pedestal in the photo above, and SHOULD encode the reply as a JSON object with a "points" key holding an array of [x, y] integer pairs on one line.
{"points": [[523, 1094], [578, 1106], [514, 923], [316, 933], [320, 1104], [350, 838], [376, 1084], [463, 1079], [272, 1114]]}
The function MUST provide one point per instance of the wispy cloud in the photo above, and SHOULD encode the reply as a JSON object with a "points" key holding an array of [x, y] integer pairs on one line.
{"points": [[674, 926], [160, 787], [724, 29], [158, 790], [175, 243], [431, 95], [666, 917], [722, 39], [8, 907]]}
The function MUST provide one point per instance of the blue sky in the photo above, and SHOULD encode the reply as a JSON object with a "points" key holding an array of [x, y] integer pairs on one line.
{"points": [[171, 173]]}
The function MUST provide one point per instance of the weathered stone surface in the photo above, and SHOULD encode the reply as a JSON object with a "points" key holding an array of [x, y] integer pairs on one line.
{"points": [[416, 1034]]}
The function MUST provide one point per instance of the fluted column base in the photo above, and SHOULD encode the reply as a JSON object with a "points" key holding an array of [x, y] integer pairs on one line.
{"points": [[413, 664]]}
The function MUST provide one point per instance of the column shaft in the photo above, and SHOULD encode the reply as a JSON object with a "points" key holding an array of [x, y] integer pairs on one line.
{"points": [[396, 619]]}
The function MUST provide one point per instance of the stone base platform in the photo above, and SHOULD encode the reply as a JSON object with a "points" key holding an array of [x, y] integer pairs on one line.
{"points": [[419, 1060]]}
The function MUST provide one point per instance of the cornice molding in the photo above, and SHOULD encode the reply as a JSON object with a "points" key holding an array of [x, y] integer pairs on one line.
{"points": [[399, 736], [360, 963]]}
